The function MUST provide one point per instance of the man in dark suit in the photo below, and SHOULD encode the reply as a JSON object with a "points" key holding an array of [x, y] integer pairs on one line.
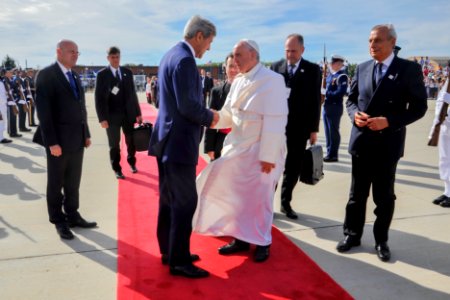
{"points": [[175, 143], [387, 93], [64, 132], [214, 138], [207, 83], [304, 79], [117, 107]]}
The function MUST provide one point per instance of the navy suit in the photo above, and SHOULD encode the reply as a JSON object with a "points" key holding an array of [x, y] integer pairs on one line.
{"points": [[402, 99], [175, 143], [62, 121], [333, 108]]}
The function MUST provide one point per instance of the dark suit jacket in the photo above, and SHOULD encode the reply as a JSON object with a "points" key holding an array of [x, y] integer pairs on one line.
{"points": [[400, 97], [304, 99], [62, 117], [218, 96], [178, 128], [125, 101]]}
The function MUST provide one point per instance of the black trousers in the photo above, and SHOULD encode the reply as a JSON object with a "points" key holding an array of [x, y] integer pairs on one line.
{"points": [[113, 133], [177, 204], [378, 172], [22, 117], [31, 117], [12, 121], [63, 184], [294, 159]]}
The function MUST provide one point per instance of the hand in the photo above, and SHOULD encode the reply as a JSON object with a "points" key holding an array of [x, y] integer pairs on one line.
{"points": [[55, 150], [378, 123], [87, 143], [266, 167], [216, 118], [104, 124], [361, 119], [313, 138], [211, 155], [139, 119]]}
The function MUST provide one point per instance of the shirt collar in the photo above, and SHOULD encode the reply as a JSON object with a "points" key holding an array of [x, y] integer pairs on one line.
{"points": [[387, 62], [63, 69], [190, 47]]}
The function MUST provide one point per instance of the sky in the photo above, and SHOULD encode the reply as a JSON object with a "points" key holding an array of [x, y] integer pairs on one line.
{"points": [[144, 30]]}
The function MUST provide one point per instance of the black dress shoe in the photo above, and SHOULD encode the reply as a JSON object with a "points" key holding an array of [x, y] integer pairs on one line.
{"points": [[234, 247], [24, 129], [261, 253], [383, 252], [15, 135], [445, 203], [189, 271], [64, 231], [119, 175], [330, 159], [33, 125], [133, 169], [165, 258], [440, 199], [348, 243], [288, 211], [5, 141], [80, 222]]}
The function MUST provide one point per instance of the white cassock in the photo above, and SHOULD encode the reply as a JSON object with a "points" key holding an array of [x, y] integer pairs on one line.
{"points": [[235, 196], [3, 109], [444, 134]]}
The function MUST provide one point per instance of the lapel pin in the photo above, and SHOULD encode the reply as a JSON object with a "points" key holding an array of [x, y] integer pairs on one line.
{"points": [[301, 70], [391, 77]]}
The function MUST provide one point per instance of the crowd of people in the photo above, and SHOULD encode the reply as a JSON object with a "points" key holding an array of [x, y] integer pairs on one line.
{"points": [[259, 122], [434, 76]]}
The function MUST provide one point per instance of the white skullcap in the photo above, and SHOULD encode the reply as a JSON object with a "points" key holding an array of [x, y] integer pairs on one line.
{"points": [[251, 43]]}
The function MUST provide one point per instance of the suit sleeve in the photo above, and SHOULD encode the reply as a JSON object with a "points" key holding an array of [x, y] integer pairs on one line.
{"points": [[189, 102], [317, 82], [417, 100], [352, 101], [44, 106], [101, 97]]}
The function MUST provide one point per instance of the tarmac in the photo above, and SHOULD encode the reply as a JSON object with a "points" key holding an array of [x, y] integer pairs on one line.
{"points": [[36, 264]]}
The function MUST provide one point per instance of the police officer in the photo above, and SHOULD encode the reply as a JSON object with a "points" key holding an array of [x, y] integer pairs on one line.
{"points": [[336, 88], [22, 101]]}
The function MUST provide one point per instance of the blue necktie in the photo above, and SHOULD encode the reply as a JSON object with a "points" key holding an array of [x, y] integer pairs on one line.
{"points": [[378, 73], [291, 71], [73, 85]]}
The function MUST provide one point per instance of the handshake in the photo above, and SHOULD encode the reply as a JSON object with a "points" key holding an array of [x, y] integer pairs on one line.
{"points": [[215, 119]]}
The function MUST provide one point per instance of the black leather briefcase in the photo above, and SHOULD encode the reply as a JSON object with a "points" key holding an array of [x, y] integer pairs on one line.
{"points": [[312, 166], [141, 136]]}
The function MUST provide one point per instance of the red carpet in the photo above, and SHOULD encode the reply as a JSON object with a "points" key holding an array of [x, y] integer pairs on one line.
{"points": [[288, 274]]}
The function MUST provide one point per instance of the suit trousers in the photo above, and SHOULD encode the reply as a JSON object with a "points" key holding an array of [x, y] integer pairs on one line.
{"points": [[295, 149], [12, 121], [113, 133], [332, 114], [63, 184], [22, 117], [218, 145], [177, 204], [377, 171]]}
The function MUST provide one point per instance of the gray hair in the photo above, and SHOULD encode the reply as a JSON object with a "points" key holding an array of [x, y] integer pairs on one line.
{"points": [[64, 42], [198, 24], [299, 38], [389, 27]]}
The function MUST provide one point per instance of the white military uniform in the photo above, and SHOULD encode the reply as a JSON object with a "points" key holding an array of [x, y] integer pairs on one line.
{"points": [[444, 138], [235, 196]]}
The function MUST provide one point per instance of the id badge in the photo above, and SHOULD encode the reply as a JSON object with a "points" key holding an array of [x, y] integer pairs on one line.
{"points": [[115, 90]]}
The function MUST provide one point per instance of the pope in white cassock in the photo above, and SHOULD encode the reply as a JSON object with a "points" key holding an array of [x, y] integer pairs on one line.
{"points": [[236, 191]]}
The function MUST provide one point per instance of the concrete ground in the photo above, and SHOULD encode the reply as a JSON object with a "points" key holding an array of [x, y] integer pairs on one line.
{"points": [[36, 264]]}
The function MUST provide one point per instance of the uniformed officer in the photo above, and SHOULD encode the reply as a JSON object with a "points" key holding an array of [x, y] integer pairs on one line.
{"points": [[12, 103], [336, 88], [3, 110], [22, 101]]}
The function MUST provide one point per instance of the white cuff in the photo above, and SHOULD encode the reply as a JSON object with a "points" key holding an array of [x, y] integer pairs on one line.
{"points": [[22, 102], [323, 91], [11, 103], [446, 98]]}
